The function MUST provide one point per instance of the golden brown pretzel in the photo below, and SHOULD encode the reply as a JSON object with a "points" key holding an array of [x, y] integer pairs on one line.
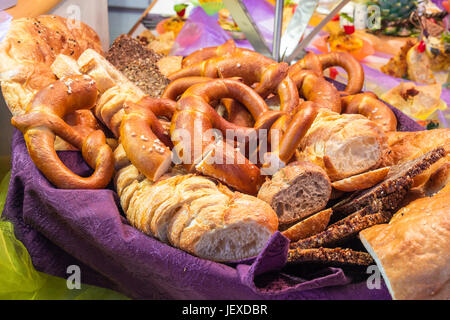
{"points": [[316, 89], [208, 53], [252, 67], [44, 120], [236, 113], [139, 132], [368, 105], [352, 66], [310, 62], [196, 117], [292, 130]]}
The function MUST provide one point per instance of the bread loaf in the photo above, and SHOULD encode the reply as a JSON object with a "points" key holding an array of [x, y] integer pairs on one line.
{"points": [[343, 145], [296, 191], [30, 47], [193, 213], [413, 250]]}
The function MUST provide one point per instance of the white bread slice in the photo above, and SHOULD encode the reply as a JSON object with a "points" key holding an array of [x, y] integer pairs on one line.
{"points": [[413, 250]]}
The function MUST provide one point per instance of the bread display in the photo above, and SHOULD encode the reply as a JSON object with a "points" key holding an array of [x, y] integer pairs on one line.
{"points": [[202, 159]]}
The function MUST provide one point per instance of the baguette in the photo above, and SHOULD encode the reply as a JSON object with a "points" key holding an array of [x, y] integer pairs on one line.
{"points": [[413, 250], [193, 213]]}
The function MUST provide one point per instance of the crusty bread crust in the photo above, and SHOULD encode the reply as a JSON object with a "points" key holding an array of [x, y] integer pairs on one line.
{"points": [[28, 50], [193, 213], [413, 250], [404, 146], [361, 181], [309, 227], [343, 144]]}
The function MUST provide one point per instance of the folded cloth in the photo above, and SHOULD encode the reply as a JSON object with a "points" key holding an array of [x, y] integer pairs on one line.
{"points": [[86, 228]]}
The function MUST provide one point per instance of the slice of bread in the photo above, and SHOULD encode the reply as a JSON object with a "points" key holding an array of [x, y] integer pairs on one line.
{"points": [[297, 191]]}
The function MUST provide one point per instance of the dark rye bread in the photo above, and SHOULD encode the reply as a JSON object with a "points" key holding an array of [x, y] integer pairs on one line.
{"points": [[384, 197], [334, 256], [296, 192], [339, 232], [138, 64], [388, 194]]}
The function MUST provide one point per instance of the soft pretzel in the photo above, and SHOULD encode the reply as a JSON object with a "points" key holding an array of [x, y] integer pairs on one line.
{"points": [[43, 121], [352, 66], [139, 132], [208, 53], [236, 113], [252, 67], [310, 62], [368, 105], [195, 116], [315, 88], [290, 136], [319, 93], [318, 63]]}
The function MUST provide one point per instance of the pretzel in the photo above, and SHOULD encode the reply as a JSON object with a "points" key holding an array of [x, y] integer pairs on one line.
{"points": [[368, 105], [195, 115], [207, 53], [319, 93], [315, 88], [252, 67], [43, 121], [352, 66], [292, 132], [318, 63], [237, 113], [310, 62], [144, 139]]}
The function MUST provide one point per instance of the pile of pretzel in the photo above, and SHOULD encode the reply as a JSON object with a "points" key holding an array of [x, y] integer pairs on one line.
{"points": [[123, 132], [241, 80]]}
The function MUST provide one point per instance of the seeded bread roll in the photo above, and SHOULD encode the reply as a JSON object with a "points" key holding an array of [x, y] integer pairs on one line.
{"points": [[193, 213], [30, 47], [343, 144], [296, 191]]}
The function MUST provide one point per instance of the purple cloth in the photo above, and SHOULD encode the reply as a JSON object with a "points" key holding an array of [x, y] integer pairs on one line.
{"points": [[60, 228]]}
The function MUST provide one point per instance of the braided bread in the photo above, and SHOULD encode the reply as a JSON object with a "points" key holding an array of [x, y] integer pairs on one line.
{"points": [[193, 213]]}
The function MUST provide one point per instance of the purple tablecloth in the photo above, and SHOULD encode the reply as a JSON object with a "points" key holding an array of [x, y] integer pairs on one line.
{"points": [[85, 228]]}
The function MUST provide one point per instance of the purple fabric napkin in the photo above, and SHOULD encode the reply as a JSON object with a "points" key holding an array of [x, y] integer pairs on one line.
{"points": [[86, 228]]}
